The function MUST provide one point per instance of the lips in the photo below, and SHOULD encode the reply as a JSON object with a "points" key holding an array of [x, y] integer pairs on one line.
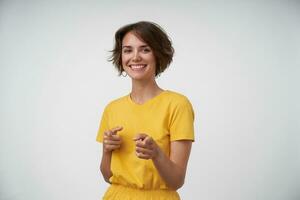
{"points": [[136, 67]]}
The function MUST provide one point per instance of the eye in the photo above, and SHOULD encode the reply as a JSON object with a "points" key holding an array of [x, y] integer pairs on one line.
{"points": [[126, 50], [146, 50]]}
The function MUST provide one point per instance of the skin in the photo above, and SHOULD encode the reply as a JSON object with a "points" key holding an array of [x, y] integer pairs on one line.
{"points": [[111, 141], [144, 87]]}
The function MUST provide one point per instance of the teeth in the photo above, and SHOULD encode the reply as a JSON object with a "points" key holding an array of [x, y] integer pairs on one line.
{"points": [[137, 66]]}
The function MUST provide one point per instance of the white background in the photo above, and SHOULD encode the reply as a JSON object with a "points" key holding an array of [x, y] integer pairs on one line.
{"points": [[238, 63]]}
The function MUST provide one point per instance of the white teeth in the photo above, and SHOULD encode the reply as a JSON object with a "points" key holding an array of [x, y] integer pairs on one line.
{"points": [[137, 66]]}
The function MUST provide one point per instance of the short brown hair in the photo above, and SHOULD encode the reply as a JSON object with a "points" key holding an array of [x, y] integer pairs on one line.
{"points": [[154, 36]]}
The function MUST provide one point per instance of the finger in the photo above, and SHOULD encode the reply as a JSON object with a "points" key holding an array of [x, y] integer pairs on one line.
{"points": [[146, 143], [148, 140], [143, 151], [111, 147], [142, 144], [108, 133], [115, 137], [116, 129], [105, 133], [113, 131], [140, 136], [142, 156], [111, 136], [112, 142]]}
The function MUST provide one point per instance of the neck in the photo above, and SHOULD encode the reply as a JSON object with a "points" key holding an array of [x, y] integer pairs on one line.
{"points": [[143, 91]]}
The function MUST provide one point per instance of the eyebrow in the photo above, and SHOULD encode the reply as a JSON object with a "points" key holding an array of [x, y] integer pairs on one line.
{"points": [[142, 46]]}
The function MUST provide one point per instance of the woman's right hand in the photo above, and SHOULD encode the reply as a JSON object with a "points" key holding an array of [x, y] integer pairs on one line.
{"points": [[111, 140]]}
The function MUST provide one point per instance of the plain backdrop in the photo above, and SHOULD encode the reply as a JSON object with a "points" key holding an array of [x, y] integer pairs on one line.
{"points": [[238, 63]]}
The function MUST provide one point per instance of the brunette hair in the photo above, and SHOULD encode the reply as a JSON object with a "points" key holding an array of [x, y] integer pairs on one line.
{"points": [[152, 34]]}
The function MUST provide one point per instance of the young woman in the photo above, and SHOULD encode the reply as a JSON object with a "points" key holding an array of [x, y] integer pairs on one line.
{"points": [[147, 135]]}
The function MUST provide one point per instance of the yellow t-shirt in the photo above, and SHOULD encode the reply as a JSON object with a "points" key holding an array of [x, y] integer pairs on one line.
{"points": [[166, 117]]}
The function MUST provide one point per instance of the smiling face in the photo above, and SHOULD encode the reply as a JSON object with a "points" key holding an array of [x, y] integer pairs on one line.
{"points": [[138, 59]]}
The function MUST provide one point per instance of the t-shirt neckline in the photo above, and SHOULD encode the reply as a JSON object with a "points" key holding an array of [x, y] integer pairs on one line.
{"points": [[148, 101]]}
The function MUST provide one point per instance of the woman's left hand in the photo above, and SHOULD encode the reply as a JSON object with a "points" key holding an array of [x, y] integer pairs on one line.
{"points": [[145, 147]]}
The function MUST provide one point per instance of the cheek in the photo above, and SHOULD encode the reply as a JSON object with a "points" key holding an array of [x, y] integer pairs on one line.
{"points": [[124, 59], [151, 58]]}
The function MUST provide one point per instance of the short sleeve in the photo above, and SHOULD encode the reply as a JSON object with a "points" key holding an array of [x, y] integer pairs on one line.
{"points": [[182, 121], [103, 125]]}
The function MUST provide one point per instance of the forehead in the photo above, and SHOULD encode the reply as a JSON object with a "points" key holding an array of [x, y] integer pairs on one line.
{"points": [[132, 39]]}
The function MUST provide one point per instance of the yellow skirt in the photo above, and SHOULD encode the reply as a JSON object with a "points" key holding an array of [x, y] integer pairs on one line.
{"points": [[119, 192]]}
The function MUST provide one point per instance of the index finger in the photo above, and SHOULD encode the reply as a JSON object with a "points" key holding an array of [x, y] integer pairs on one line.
{"points": [[116, 129], [140, 136]]}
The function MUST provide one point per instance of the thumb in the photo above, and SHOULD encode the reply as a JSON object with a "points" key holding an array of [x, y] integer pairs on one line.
{"points": [[148, 140], [140, 136], [116, 129]]}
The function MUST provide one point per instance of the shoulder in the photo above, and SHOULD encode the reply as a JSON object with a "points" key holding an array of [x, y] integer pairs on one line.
{"points": [[116, 103], [180, 108], [177, 98]]}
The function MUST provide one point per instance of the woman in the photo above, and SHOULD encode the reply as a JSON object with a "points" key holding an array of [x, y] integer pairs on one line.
{"points": [[147, 135]]}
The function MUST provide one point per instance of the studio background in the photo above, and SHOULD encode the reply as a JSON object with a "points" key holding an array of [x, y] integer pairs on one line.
{"points": [[238, 63]]}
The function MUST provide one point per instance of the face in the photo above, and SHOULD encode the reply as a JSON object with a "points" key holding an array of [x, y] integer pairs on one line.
{"points": [[138, 59]]}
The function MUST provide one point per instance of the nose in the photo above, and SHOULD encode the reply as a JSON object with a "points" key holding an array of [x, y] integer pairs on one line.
{"points": [[136, 56]]}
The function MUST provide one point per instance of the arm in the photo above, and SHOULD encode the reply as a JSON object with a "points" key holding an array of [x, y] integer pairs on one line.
{"points": [[105, 165], [172, 169], [111, 142]]}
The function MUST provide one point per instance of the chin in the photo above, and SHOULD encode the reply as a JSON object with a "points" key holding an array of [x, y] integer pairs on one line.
{"points": [[139, 77]]}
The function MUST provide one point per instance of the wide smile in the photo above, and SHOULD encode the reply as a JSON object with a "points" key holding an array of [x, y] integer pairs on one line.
{"points": [[137, 67]]}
